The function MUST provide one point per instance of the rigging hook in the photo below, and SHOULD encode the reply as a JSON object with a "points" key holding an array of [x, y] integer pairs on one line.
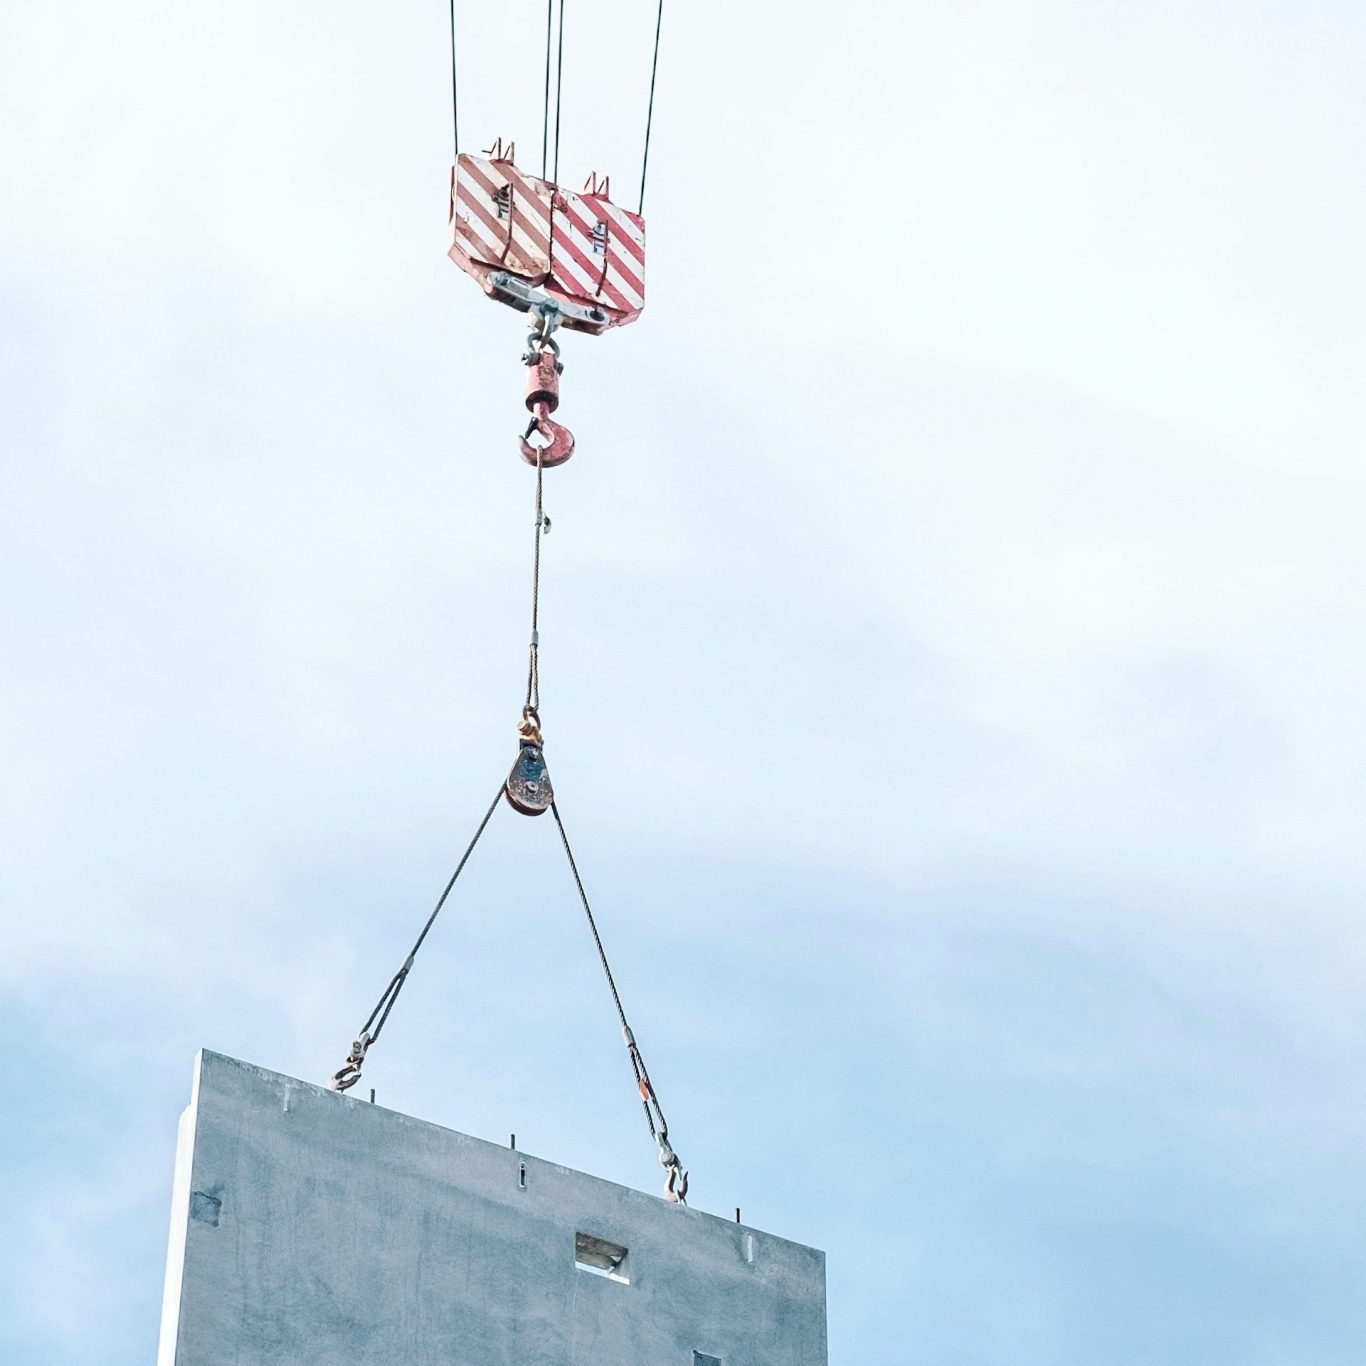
{"points": [[542, 398], [559, 440]]}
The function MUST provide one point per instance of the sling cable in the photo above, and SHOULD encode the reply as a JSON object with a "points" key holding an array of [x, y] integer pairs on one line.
{"points": [[572, 260]]}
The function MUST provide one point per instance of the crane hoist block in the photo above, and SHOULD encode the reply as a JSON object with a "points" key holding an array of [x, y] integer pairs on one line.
{"points": [[529, 242]]}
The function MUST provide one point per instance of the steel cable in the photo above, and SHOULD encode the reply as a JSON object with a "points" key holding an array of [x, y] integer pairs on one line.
{"points": [[559, 90], [650, 112], [349, 1073], [533, 668], [545, 107], [677, 1186], [455, 98]]}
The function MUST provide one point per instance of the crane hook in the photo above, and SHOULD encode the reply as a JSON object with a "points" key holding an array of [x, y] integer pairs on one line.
{"points": [[559, 440], [542, 398]]}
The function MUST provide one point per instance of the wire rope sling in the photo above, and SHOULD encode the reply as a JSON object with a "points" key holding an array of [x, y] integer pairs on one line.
{"points": [[572, 260]]}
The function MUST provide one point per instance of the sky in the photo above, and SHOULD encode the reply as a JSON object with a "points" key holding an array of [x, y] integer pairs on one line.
{"points": [[951, 643]]}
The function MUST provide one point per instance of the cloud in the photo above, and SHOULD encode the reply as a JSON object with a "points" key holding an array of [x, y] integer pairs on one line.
{"points": [[950, 643]]}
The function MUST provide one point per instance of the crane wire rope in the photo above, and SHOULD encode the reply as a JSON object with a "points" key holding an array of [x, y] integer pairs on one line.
{"points": [[676, 1186], [650, 111], [545, 107], [455, 94], [559, 90], [532, 704], [559, 86], [349, 1073]]}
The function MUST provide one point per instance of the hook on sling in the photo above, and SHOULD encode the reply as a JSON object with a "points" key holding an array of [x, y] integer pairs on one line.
{"points": [[348, 1074]]}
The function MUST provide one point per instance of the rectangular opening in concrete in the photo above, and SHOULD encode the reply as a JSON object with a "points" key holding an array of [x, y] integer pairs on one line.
{"points": [[706, 1359], [601, 1257]]}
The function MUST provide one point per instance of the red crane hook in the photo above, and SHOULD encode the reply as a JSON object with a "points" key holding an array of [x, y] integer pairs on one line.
{"points": [[542, 398]]}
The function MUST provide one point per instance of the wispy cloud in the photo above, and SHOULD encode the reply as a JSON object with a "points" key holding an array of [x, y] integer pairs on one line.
{"points": [[951, 646]]}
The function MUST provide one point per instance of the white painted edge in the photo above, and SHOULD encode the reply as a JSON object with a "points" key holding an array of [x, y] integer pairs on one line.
{"points": [[180, 1223]]}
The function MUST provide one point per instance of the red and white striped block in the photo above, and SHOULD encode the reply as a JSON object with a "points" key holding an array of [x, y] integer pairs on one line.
{"points": [[502, 218], [578, 249], [597, 252]]}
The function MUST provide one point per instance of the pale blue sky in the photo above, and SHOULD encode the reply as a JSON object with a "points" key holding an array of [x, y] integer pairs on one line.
{"points": [[952, 644]]}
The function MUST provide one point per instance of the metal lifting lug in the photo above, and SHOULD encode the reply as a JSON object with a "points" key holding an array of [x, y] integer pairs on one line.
{"points": [[348, 1074], [676, 1184], [528, 788], [542, 398]]}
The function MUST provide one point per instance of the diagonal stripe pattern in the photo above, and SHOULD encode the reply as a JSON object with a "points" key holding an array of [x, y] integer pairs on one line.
{"points": [[502, 218], [577, 248]]}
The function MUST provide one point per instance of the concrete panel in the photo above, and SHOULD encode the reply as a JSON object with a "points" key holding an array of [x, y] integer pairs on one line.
{"points": [[312, 1229]]}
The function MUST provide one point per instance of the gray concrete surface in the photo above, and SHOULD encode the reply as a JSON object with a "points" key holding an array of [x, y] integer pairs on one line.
{"points": [[312, 1229]]}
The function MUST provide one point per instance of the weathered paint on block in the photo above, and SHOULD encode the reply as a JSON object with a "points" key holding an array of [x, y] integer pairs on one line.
{"points": [[311, 1229]]}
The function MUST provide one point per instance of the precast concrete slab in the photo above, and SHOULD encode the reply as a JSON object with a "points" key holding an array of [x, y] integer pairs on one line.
{"points": [[312, 1229]]}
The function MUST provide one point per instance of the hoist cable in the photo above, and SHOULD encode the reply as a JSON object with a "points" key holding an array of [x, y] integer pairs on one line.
{"points": [[349, 1073], [533, 668], [650, 112], [588, 911], [654, 1114], [455, 98], [559, 90], [436, 911], [676, 1187], [545, 107], [401, 975]]}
